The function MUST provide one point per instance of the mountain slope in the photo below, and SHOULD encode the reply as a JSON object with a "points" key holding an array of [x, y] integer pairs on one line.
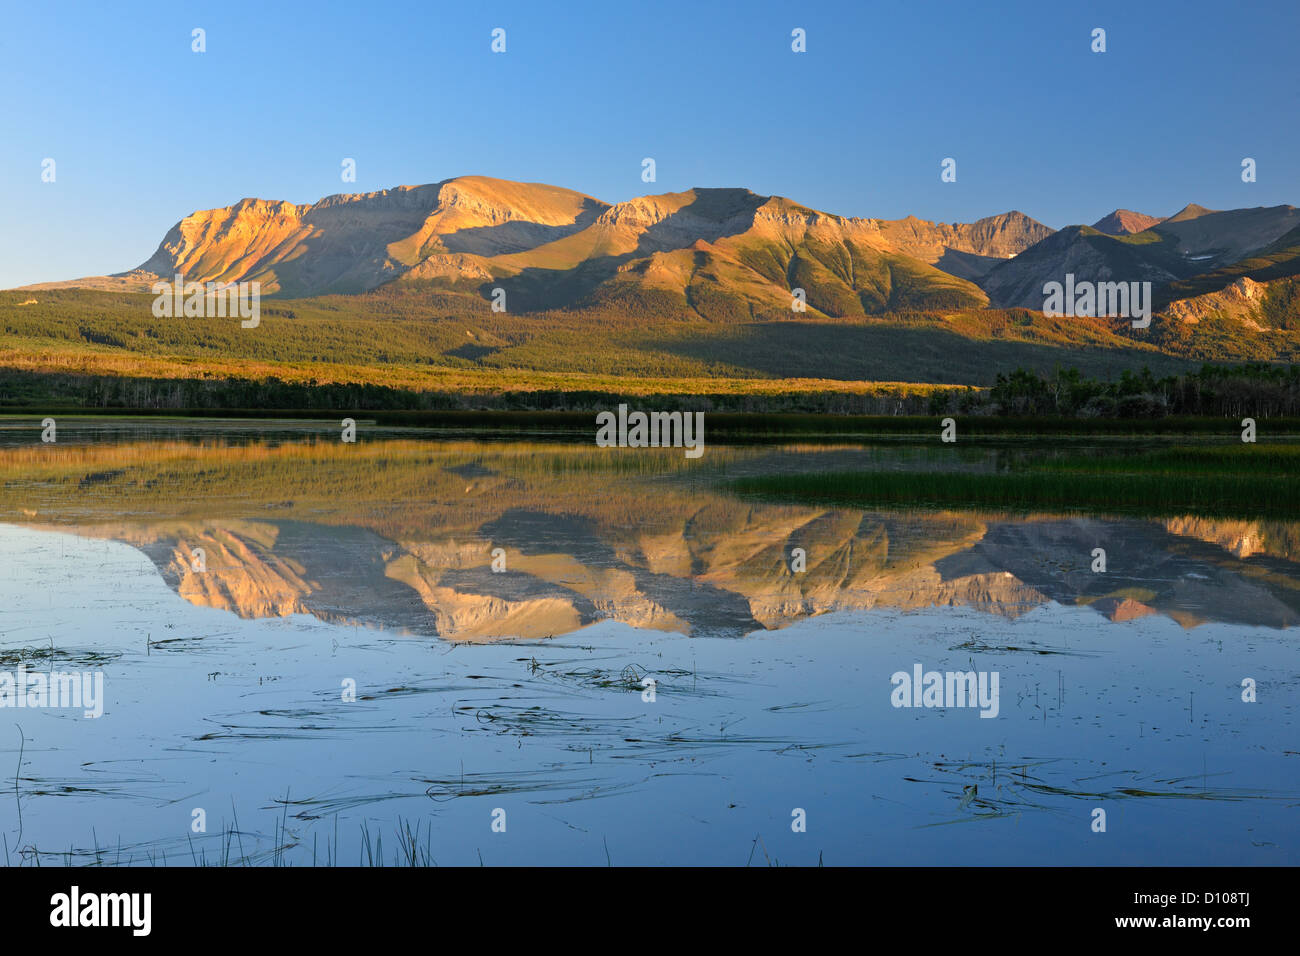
{"points": [[1277, 261], [1243, 300], [728, 253], [1208, 239]]}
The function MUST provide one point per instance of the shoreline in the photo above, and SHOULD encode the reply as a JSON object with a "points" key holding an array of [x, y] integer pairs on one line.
{"points": [[728, 425]]}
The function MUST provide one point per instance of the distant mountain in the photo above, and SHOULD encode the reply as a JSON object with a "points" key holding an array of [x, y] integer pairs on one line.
{"points": [[1194, 241], [968, 250], [711, 251], [1125, 222], [1189, 212]]}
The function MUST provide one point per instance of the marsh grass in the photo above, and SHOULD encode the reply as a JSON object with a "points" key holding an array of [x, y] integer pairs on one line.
{"points": [[1245, 481]]}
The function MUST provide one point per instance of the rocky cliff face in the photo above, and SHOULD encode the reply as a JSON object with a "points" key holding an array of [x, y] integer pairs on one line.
{"points": [[352, 243], [967, 250], [1241, 300]]}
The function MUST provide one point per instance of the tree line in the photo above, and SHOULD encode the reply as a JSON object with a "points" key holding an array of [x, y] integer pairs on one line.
{"points": [[1256, 390]]}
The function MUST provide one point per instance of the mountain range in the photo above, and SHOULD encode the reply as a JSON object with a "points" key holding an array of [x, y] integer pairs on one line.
{"points": [[719, 253]]}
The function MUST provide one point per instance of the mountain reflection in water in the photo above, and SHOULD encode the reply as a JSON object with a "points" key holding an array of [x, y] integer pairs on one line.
{"points": [[399, 533]]}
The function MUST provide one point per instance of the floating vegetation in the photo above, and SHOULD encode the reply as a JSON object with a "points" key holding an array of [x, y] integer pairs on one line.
{"points": [[48, 657], [631, 677]]}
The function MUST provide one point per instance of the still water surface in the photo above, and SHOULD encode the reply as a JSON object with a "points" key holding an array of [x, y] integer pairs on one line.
{"points": [[233, 582]]}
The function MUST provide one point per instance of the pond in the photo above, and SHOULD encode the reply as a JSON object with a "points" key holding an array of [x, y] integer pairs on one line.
{"points": [[431, 649]]}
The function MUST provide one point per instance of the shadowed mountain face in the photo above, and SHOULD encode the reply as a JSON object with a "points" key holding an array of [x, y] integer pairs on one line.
{"points": [[478, 542]]}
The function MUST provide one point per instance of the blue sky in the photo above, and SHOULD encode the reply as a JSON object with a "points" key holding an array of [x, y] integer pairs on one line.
{"points": [[144, 131]]}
